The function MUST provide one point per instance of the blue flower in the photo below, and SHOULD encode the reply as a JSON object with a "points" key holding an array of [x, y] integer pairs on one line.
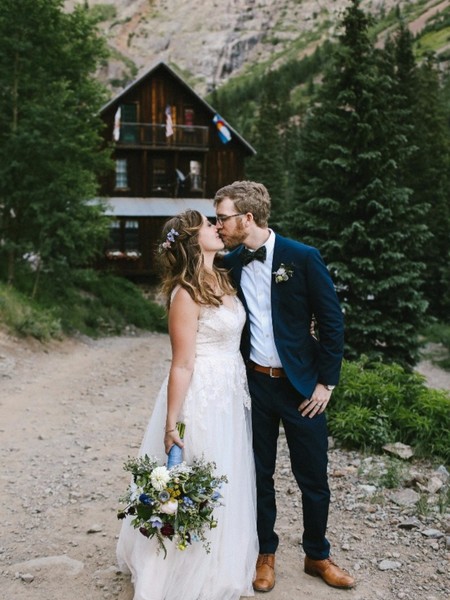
{"points": [[156, 522], [187, 501], [145, 499], [163, 496], [216, 496], [171, 235]]}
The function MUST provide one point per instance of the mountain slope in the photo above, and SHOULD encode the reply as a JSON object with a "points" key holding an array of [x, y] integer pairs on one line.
{"points": [[210, 41]]}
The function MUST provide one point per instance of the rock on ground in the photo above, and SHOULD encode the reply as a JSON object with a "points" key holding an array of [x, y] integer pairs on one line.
{"points": [[71, 412]]}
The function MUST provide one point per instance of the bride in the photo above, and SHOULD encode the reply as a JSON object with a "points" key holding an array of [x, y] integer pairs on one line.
{"points": [[206, 388]]}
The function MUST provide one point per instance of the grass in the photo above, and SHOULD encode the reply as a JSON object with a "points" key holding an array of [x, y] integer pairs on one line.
{"points": [[89, 302], [26, 318], [432, 41]]}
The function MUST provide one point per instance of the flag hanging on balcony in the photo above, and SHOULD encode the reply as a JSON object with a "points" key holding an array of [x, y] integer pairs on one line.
{"points": [[222, 129], [169, 125], [116, 129]]}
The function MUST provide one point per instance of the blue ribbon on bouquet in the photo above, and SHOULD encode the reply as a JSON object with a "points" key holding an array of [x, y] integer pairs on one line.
{"points": [[175, 456]]}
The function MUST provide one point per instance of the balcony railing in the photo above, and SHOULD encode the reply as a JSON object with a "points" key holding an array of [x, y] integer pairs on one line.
{"points": [[154, 134]]}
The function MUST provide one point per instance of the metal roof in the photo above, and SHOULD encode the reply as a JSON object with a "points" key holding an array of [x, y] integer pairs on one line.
{"points": [[156, 207]]}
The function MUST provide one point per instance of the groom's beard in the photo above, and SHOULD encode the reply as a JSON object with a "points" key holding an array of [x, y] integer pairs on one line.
{"points": [[235, 237]]}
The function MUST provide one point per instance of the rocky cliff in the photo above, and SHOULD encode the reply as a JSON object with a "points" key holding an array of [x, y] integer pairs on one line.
{"points": [[213, 40]]}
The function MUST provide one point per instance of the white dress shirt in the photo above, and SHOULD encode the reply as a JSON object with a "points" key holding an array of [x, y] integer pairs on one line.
{"points": [[256, 281]]}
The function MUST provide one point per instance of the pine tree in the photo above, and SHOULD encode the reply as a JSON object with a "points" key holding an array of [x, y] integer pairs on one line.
{"points": [[268, 139], [352, 204], [429, 177], [426, 171], [50, 151]]}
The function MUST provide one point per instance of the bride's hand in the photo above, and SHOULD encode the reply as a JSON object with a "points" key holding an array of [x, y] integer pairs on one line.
{"points": [[171, 438]]}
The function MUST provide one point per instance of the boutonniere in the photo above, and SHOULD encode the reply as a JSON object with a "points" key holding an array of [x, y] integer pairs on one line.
{"points": [[283, 273]]}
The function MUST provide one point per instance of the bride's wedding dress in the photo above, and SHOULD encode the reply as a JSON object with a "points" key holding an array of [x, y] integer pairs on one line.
{"points": [[216, 413]]}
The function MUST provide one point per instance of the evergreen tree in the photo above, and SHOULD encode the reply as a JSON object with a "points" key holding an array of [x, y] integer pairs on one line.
{"points": [[352, 204], [429, 177], [426, 172], [268, 138], [50, 149]]}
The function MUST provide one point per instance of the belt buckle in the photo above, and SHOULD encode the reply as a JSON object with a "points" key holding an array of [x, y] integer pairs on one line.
{"points": [[271, 373]]}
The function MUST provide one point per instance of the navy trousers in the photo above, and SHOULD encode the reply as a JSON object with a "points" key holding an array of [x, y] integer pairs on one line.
{"points": [[275, 400]]}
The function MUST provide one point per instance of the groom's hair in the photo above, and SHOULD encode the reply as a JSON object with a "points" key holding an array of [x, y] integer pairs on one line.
{"points": [[248, 197]]}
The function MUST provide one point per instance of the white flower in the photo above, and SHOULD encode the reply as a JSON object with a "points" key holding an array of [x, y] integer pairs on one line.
{"points": [[180, 469], [134, 492], [283, 273], [169, 508], [159, 477]]}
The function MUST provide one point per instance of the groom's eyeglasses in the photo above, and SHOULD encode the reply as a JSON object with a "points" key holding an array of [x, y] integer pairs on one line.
{"points": [[221, 220]]}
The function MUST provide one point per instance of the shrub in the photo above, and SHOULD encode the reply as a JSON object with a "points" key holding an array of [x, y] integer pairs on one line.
{"points": [[376, 403], [26, 318], [83, 300], [360, 427]]}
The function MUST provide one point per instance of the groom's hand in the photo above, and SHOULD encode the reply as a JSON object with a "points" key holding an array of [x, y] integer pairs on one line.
{"points": [[310, 407]]}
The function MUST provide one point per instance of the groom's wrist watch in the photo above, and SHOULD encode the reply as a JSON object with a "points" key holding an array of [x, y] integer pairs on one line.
{"points": [[330, 388]]}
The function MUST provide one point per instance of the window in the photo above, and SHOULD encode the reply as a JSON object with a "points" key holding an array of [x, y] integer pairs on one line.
{"points": [[129, 128], [121, 174], [160, 179], [115, 236], [131, 236], [123, 240], [189, 117], [195, 176]]}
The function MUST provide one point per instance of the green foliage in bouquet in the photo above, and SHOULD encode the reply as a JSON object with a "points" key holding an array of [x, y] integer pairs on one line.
{"points": [[175, 504]]}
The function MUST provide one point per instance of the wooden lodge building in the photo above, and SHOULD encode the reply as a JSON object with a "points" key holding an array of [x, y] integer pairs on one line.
{"points": [[172, 152]]}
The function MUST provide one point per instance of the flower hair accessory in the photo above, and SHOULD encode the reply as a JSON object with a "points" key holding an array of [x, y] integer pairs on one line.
{"points": [[283, 273], [170, 239]]}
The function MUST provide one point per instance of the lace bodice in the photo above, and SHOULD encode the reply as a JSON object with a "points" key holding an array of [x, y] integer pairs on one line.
{"points": [[218, 362], [219, 329]]}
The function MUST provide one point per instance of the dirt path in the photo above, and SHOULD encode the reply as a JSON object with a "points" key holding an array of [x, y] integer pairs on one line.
{"points": [[72, 412], [418, 24]]}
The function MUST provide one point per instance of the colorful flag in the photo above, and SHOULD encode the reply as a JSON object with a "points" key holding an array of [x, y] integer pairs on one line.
{"points": [[224, 132], [169, 125], [116, 130]]}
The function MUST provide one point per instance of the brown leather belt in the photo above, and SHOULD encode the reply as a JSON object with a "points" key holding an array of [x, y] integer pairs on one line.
{"points": [[274, 372]]}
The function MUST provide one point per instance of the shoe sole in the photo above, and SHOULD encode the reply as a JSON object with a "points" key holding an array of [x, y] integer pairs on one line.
{"points": [[257, 589], [337, 587]]}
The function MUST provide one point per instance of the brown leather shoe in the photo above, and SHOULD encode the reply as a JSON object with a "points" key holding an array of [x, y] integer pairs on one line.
{"points": [[265, 573], [330, 572]]}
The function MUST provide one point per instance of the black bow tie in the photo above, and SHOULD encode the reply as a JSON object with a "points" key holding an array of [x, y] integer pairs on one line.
{"points": [[248, 255]]}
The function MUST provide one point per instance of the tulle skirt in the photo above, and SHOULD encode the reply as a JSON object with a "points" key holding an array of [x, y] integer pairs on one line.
{"points": [[218, 428]]}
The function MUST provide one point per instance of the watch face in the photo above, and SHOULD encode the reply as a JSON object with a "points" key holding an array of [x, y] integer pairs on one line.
{"points": [[330, 388]]}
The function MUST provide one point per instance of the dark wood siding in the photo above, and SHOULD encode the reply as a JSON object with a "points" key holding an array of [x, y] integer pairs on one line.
{"points": [[192, 163]]}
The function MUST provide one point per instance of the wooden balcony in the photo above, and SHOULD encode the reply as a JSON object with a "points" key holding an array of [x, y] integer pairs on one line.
{"points": [[153, 135]]}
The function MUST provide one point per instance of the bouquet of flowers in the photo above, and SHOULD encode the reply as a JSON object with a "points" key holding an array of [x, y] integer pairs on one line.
{"points": [[176, 503]]}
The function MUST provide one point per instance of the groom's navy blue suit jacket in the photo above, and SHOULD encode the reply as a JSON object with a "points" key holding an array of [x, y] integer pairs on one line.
{"points": [[309, 291]]}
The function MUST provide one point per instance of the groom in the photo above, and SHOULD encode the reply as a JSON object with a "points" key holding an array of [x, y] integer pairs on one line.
{"points": [[283, 284]]}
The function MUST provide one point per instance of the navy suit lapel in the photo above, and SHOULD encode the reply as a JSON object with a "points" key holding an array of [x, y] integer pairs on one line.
{"points": [[276, 261]]}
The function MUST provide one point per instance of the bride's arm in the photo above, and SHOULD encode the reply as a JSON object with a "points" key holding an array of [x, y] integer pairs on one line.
{"points": [[183, 323]]}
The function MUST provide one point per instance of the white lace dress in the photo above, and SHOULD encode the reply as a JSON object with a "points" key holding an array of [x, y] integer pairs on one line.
{"points": [[216, 412]]}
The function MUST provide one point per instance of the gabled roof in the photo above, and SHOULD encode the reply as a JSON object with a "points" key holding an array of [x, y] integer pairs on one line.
{"points": [[162, 65]]}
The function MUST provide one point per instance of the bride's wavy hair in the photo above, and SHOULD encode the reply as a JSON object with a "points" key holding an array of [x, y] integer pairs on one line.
{"points": [[181, 260]]}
